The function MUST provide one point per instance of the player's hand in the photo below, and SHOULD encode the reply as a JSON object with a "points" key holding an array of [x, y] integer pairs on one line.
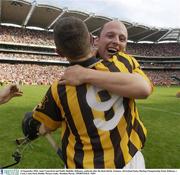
{"points": [[73, 75], [15, 90], [9, 92], [43, 130]]}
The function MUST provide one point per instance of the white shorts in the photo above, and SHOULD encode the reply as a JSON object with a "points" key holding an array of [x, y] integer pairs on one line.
{"points": [[137, 162]]}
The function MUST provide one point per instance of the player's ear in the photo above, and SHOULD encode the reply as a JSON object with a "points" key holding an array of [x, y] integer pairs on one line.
{"points": [[93, 40]]}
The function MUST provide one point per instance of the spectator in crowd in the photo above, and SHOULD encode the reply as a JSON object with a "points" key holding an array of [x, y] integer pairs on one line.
{"points": [[9, 92], [149, 49], [163, 77], [30, 74], [33, 74], [99, 129], [25, 36], [33, 57]]}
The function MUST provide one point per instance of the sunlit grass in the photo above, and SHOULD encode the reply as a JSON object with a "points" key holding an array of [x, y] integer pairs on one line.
{"points": [[160, 114]]}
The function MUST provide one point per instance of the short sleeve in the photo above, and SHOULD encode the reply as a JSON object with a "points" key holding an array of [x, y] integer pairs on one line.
{"points": [[48, 111]]}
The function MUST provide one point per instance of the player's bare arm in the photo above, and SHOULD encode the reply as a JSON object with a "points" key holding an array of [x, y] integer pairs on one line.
{"points": [[124, 84]]}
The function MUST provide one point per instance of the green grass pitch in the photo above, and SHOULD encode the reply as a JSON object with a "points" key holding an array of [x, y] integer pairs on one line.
{"points": [[160, 114]]}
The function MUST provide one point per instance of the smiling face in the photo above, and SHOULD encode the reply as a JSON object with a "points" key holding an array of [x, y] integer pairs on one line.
{"points": [[113, 38]]}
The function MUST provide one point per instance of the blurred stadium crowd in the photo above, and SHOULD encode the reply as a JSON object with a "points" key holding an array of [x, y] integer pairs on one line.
{"points": [[163, 49], [161, 61]]}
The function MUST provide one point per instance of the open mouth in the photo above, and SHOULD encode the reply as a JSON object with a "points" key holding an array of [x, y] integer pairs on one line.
{"points": [[112, 51]]}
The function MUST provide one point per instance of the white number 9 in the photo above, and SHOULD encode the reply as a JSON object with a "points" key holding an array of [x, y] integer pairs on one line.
{"points": [[115, 101]]}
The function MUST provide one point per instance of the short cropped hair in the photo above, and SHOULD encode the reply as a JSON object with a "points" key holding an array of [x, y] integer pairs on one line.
{"points": [[71, 37]]}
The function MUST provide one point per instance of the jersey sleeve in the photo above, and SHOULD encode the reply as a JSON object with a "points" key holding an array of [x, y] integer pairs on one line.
{"points": [[137, 69], [48, 110]]}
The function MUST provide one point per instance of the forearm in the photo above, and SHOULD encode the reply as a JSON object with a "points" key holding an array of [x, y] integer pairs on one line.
{"points": [[9, 92], [122, 84], [2, 98]]}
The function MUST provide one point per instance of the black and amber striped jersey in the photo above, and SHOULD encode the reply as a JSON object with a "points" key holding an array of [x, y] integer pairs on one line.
{"points": [[98, 129]]}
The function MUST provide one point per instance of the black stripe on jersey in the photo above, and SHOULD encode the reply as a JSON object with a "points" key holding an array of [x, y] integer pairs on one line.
{"points": [[111, 66], [65, 144], [91, 129], [125, 62], [133, 64], [132, 148], [114, 134], [104, 95], [78, 158], [137, 127], [127, 115], [49, 107], [118, 155], [109, 114]]}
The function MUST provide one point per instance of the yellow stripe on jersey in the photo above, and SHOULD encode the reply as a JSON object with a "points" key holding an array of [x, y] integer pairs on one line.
{"points": [[70, 152], [119, 64], [108, 152], [140, 122], [54, 91], [133, 111], [63, 128], [134, 137], [128, 57], [124, 139], [80, 126], [46, 120]]}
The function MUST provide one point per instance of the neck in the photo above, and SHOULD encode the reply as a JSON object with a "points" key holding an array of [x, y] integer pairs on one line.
{"points": [[82, 58]]}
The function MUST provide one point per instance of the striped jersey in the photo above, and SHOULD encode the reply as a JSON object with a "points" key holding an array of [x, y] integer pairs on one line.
{"points": [[98, 129]]}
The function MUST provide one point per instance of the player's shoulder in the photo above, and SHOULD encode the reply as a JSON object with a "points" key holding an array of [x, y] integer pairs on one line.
{"points": [[54, 86], [125, 55], [55, 83]]}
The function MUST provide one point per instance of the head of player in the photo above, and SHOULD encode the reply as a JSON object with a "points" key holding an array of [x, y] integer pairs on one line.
{"points": [[112, 38], [72, 39]]}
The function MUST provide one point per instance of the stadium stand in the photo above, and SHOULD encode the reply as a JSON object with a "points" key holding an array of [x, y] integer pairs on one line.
{"points": [[21, 35], [160, 49], [31, 74], [28, 55], [163, 77]]}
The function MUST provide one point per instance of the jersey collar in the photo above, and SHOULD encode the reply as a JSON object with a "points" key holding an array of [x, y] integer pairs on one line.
{"points": [[87, 63]]}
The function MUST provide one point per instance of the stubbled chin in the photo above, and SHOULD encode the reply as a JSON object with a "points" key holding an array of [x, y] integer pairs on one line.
{"points": [[107, 56]]}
